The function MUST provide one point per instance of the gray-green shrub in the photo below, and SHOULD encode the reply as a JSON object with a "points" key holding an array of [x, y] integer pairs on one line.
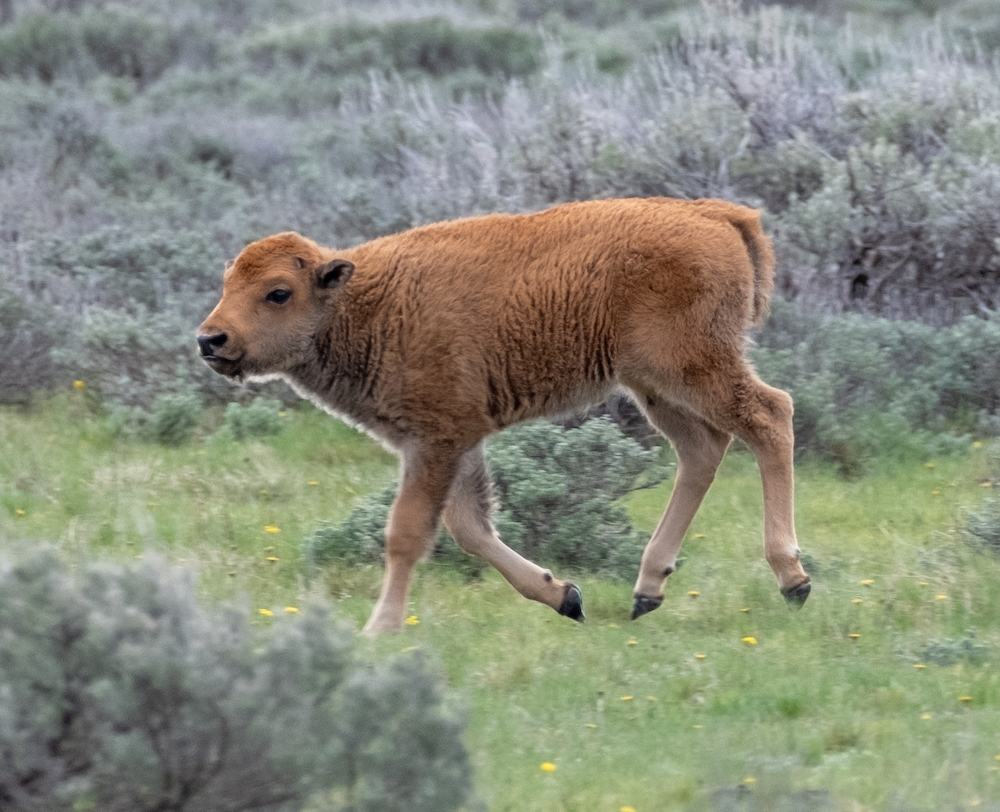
{"points": [[134, 359], [174, 419], [29, 332], [42, 46], [949, 651], [360, 539], [171, 421], [112, 39], [869, 386], [259, 418], [432, 46], [557, 491], [120, 692], [983, 525]]}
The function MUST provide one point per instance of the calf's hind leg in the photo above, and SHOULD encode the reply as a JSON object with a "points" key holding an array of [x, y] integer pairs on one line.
{"points": [[700, 448], [737, 400], [467, 518]]}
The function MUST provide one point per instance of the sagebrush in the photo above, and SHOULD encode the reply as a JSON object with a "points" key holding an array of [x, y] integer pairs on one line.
{"points": [[121, 692]]}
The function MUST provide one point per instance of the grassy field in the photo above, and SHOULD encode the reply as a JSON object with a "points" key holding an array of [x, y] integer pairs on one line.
{"points": [[883, 693]]}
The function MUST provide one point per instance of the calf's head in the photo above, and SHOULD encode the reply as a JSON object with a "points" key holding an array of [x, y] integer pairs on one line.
{"points": [[274, 297]]}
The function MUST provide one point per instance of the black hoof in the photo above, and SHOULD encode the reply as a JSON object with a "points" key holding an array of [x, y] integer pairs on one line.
{"points": [[643, 604], [572, 603], [796, 596]]}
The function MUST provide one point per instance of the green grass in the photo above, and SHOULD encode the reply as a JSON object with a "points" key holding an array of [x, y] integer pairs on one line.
{"points": [[816, 719]]}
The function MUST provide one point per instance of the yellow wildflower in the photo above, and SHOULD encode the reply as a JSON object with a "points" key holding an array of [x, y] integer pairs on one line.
{"points": [[627, 809], [410, 648], [270, 528], [632, 642], [745, 609], [750, 641], [700, 536], [940, 597], [929, 465], [272, 559], [412, 620], [693, 594], [266, 612], [867, 582], [79, 385], [591, 725], [854, 635], [700, 656], [548, 766], [749, 780], [627, 698], [20, 512], [857, 601], [987, 484], [919, 666], [965, 699], [313, 482], [936, 492], [925, 716], [977, 444], [652, 699], [292, 610]]}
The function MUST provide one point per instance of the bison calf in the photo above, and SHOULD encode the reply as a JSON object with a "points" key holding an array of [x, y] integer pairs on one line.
{"points": [[435, 338]]}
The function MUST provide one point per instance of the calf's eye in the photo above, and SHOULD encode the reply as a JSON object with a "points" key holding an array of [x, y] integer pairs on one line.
{"points": [[279, 296]]}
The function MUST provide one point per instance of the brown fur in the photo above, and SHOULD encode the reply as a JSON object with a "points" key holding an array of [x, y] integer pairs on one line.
{"points": [[447, 333]]}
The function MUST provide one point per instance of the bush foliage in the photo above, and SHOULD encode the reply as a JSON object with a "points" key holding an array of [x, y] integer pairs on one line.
{"points": [[259, 418], [983, 525], [865, 386], [120, 692], [171, 421], [557, 501]]}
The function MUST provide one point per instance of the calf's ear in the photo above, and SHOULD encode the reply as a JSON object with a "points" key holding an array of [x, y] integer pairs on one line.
{"points": [[334, 273]]}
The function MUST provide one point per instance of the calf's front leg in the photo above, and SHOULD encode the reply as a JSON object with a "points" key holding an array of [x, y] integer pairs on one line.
{"points": [[427, 476]]}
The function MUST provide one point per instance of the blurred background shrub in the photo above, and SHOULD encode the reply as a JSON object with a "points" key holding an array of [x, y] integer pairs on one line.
{"points": [[112, 39], [358, 540], [171, 421], [866, 387], [259, 418], [120, 692], [983, 525]]}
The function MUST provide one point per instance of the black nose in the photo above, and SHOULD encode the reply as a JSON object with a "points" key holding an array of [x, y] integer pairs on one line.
{"points": [[209, 344]]}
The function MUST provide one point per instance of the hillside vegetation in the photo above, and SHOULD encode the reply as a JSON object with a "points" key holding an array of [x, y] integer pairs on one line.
{"points": [[140, 149]]}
